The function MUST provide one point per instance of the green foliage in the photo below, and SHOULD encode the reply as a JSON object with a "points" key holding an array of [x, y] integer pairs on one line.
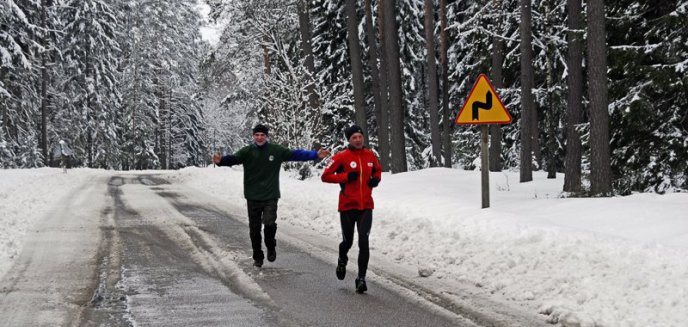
{"points": [[649, 92]]}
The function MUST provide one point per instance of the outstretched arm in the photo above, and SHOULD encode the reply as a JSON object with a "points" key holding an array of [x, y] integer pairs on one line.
{"points": [[306, 155], [302, 155], [228, 160]]}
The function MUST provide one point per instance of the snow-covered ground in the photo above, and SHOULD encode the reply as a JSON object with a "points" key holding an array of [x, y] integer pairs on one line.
{"points": [[619, 261], [26, 195]]}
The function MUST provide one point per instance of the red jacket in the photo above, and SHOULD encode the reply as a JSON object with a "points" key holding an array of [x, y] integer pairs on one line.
{"points": [[357, 194]]}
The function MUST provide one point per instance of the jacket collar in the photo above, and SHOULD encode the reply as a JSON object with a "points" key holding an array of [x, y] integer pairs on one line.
{"points": [[261, 147], [351, 148]]}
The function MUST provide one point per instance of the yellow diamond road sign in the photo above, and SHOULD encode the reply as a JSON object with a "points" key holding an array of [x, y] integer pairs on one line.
{"points": [[483, 106]]}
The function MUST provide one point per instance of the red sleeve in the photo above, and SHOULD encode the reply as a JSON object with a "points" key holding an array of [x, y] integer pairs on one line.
{"points": [[378, 168], [330, 174]]}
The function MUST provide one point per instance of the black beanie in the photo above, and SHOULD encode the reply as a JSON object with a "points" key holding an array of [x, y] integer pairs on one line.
{"points": [[260, 129], [351, 130]]}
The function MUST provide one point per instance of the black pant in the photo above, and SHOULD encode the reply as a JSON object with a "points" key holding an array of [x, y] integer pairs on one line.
{"points": [[363, 220], [265, 213]]}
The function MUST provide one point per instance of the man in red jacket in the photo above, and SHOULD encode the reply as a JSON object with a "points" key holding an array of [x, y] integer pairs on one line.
{"points": [[357, 171]]}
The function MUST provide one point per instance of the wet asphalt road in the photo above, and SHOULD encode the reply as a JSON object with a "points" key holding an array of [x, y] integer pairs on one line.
{"points": [[149, 256]]}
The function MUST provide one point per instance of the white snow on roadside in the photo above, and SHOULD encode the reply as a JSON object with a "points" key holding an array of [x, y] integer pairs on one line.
{"points": [[26, 196], [620, 261]]}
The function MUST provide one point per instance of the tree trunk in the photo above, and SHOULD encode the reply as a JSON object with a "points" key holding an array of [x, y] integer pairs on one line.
{"points": [[447, 121], [383, 136], [4, 115], [535, 135], [497, 82], [534, 121], [162, 126], [395, 94], [356, 66], [44, 92], [158, 148], [90, 115], [383, 122], [44, 109], [266, 57], [572, 166], [137, 96], [168, 129], [4, 129], [137, 88], [307, 49], [527, 81], [432, 83], [552, 110], [600, 170]]}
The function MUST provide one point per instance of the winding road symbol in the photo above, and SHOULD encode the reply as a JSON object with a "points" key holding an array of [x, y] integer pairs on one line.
{"points": [[487, 105], [483, 106]]}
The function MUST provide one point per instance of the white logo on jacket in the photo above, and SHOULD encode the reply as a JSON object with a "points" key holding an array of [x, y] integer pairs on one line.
{"points": [[370, 164], [353, 164], [271, 158]]}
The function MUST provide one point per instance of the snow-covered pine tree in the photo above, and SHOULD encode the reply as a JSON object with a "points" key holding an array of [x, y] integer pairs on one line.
{"points": [[233, 79], [181, 135], [26, 40], [470, 33], [14, 59], [139, 82], [472, 25], [279, 92], [648, 62], [46, 35], [91, 53], [550, 85], [159, 84], [333, 70], [410, 18]]}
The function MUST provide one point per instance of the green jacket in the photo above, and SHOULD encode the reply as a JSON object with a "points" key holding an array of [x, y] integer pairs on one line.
{"points": [[262, 168]]}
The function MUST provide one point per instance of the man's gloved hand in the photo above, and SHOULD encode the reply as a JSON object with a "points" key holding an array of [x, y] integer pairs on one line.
{"points": [[352, 176], [373, 182]]}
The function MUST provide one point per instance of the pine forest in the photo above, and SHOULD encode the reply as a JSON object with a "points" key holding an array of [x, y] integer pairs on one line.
{"points": [[598, 90]]}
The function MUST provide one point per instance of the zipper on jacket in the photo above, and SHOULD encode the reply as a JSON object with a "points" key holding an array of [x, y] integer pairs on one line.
{"points": [[360, 183]]}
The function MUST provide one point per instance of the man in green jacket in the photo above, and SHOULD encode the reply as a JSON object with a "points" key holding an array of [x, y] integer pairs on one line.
{"points": [[262, 161]]}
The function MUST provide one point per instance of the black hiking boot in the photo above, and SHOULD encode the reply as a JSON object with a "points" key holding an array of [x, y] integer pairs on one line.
{"points": [[341, 270], [361, 285], [272, 255], [258, 262]]}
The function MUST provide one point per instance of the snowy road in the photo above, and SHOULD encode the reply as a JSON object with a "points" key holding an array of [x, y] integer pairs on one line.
{"points": [[95, 247], [149, 253]]}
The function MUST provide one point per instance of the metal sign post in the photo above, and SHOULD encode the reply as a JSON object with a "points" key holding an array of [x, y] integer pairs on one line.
{"points": [[484, 166], [485, 109]]}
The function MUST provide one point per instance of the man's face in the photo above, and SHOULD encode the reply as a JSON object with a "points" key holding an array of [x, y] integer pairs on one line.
{"points": [[260, 138], [356, 140]]}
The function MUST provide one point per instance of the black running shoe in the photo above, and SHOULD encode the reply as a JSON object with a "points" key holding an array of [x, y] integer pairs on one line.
{"points": [[341, 270], [258, 263], [361, 285], [272, 255]]}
